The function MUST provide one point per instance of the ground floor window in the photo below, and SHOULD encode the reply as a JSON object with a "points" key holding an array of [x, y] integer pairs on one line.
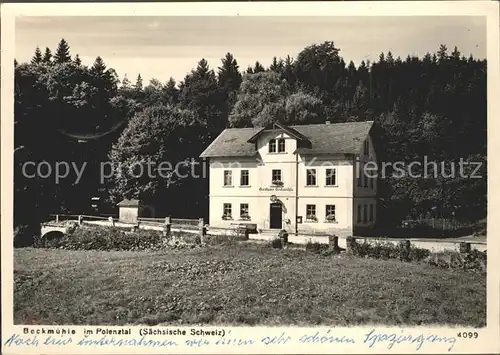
{"points": [[244, 211], [330, 213], [227, 211], [311, 212]]}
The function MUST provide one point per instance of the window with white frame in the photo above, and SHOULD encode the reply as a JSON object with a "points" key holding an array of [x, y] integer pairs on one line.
{"points": [[281, 145], [331, 177], [311, 177], [227, 211], [228, 178], [330, 213], [244, 178], [272, 146], [311, 213]]}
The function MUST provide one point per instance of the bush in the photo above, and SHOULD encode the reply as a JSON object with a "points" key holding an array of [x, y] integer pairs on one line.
{"points": [[218, 239], [104, 238], [276, 243], [316, 247], [387, 250], [25, 234], [475, 260]]}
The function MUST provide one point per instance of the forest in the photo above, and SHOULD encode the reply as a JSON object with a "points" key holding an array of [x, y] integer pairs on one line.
{"points": [[432, 106]]}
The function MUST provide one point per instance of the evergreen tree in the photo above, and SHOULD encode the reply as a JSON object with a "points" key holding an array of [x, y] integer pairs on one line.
{"points": [[229, 80], [138, 83], [170, 92], [37, 58], [98, 68], [77, 60], [62, 53], [47, 56], [258, 68]]}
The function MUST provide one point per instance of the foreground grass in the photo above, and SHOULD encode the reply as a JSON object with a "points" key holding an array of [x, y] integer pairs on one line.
{"points": [[239, 285]]}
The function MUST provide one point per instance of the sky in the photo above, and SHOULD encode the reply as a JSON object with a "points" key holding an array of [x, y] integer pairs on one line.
{"points": [[164, 47]]}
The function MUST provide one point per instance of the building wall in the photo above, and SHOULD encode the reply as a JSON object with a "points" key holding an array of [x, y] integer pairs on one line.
{"points": [[257, 194]]}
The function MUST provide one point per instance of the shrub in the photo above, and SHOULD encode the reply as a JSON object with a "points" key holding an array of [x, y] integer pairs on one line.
{"points": [[475, 260], [276, 243], [217, 239], [104, 238], [316, 247], [25, 234]]}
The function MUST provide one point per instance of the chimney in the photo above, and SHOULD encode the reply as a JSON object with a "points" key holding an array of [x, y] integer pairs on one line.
{"points": [[327, 122]]}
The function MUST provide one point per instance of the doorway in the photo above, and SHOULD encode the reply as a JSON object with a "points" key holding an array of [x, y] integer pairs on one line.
{"points": [[275, 216]]}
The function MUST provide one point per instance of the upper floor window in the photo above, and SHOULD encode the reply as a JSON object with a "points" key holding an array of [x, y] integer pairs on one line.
{"points": [[331, 177], [366, 148], [244, 178], [281, 145], [228, 178], [272, 146], [311, 177], [276, 176]]}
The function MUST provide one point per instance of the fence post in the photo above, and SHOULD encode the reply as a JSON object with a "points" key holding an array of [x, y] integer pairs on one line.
{"points": [[333, 242], [465, 248], [167, 227], [350, 245], [80, 218], [201, 227], [57, 218]]}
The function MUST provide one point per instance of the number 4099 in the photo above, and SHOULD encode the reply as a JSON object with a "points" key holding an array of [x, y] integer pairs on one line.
{"points": [[468, 335]]}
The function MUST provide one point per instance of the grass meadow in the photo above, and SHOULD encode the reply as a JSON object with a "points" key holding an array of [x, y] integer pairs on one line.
{"points": [[239, 284]]}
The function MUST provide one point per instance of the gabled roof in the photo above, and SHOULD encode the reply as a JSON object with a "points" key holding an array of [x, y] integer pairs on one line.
{"points": [[331, 138], [278, 126]]}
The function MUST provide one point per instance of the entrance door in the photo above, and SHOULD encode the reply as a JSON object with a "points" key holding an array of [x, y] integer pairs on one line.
{"points": [[275, 216]]}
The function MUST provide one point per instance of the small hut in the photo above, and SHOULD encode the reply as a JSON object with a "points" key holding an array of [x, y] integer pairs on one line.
{"points": [[131, 210]]}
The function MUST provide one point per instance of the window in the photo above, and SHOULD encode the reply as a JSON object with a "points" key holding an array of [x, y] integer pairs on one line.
{"points": [[276, 176], [365, 180], [228, 178], [331, 177], [272, 146], [366, 148], [244, 211], [311, 212], [371, 212], [330, 213], [227, 211], [359, 213], [311, 177], [244, 178], [281, 145], [365, 213]]}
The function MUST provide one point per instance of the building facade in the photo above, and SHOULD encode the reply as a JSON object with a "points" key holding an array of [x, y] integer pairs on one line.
{"points": [[309, 179]]}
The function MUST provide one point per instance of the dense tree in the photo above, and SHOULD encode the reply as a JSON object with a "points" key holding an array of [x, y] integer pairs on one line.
{"points": [[432, 107]]}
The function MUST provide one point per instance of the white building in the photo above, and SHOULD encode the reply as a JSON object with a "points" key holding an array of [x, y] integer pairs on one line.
{"points": [[305, 178]]}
